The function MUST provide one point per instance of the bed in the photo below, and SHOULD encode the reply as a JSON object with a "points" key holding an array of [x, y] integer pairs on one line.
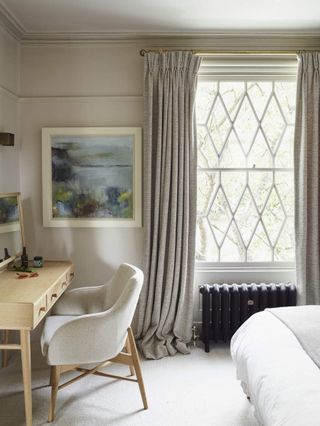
{"points": [[278, 366]]}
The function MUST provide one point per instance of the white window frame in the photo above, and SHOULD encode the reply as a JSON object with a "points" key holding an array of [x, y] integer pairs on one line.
{"points": [[246, 68]]}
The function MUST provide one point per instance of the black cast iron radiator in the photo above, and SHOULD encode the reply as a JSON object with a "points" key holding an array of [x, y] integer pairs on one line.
{"points": [[226, 306]]}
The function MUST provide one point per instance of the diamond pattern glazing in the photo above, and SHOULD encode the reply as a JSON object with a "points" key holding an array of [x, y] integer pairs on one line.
{"points": [[245, 170]]}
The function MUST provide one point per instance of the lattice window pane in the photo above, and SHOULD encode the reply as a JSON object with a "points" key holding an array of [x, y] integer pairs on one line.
{"points": [[259, 93], [218, 124], [284, 184], [286, 95], [260, 249], [232, 93], [220, 216], [207, 92], [284, 248], [260, 183], [245, 178], [260, 154], [273, 216], [207, 157], [273, 124], [207, 187], [206, 247], [232, 249], [232, 154], [246, 216], [233, 183], [284, 154], [246, 124]]}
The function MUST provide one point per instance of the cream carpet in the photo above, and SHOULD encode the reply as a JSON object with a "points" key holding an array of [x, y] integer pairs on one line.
{"points": [[197, 389]]}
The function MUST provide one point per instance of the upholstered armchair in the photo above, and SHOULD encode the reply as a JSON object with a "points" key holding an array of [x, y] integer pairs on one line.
{"points": [[91, 325]]}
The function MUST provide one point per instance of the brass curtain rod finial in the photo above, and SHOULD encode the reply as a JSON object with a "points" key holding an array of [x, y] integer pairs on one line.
{"points": [[143, 52]]}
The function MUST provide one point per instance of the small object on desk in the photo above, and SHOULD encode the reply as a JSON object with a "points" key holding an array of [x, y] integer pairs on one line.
{"points": [[21, 276], [24, 258], [20, 269], [38, 261], [26, 275], [6, 253]]}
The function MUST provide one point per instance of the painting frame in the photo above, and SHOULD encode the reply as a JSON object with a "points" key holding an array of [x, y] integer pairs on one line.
{"points": [[85, 134], [11, 226]]}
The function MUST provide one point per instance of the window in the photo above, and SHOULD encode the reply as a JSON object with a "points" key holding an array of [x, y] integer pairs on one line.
{"points": [[245, 126]]}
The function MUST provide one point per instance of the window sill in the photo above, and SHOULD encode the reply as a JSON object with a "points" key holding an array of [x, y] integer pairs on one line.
{"points": [[253, 267]]}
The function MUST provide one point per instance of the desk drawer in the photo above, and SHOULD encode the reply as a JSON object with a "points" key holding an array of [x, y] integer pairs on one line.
{"points": [[40, 309], [55, 292], [70, 274]]}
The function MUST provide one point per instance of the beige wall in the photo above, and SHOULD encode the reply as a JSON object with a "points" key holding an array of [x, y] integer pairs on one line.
{"points": [[91, 84], [77, 85], [88, 85], [9, 74]]}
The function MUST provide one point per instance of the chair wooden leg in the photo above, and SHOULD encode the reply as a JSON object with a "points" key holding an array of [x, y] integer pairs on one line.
{"points": [[136, 364], [5, 351], [51, 376], [54, 381], [128, 348]]}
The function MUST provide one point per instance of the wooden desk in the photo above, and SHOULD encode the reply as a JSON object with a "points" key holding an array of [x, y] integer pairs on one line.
{"points": [[23, 304]]}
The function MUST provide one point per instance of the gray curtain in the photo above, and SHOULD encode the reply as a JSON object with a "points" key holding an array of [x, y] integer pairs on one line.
{"points": [[165, 308], [307, 176]]}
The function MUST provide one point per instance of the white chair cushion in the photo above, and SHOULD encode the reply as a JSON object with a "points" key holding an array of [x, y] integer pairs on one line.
{"points": [[51, 325], [82, 333]]}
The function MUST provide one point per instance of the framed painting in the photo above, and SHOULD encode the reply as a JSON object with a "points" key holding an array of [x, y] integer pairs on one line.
{"points": [[91, 176], [9, 213]]}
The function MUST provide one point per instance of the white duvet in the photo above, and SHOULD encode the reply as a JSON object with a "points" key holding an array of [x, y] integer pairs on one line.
{"points": [[281, 379]]}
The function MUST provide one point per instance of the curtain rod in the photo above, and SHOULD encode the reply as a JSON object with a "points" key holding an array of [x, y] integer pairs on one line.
{"points": [[226, 52]]}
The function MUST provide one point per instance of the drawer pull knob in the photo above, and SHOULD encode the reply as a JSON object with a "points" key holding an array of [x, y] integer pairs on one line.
{"points": [[71, 275], [54, 296], [43, 309], [64, 284]]}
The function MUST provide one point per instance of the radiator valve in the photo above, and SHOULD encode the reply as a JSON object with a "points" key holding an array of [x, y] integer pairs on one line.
{"points": [[195, 335]]}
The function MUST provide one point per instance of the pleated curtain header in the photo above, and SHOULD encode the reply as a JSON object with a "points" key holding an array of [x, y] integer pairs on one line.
{"points": [[310, 61], [170, 61]]}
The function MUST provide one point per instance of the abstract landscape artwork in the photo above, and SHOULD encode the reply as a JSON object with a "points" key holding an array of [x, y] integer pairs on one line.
{"points": [[9, 214], [91, 177]]}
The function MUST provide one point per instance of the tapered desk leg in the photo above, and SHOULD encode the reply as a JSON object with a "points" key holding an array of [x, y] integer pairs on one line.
{"points": [[26, 373]]}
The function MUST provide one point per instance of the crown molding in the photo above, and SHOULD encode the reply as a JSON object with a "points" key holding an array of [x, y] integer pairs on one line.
{"points": [[170, 38], [190, 39], [196, 41], [9, 22]]}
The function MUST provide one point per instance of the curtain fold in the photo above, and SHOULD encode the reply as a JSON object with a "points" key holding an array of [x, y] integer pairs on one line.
{"points": [[166, 302], [307, 175]]}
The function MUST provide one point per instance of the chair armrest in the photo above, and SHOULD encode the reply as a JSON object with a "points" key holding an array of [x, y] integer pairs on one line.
{"points": [[87, 339], [80, 301]]}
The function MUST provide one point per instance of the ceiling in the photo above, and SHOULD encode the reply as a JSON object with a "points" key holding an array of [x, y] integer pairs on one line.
{"points": [[36, 18]]}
